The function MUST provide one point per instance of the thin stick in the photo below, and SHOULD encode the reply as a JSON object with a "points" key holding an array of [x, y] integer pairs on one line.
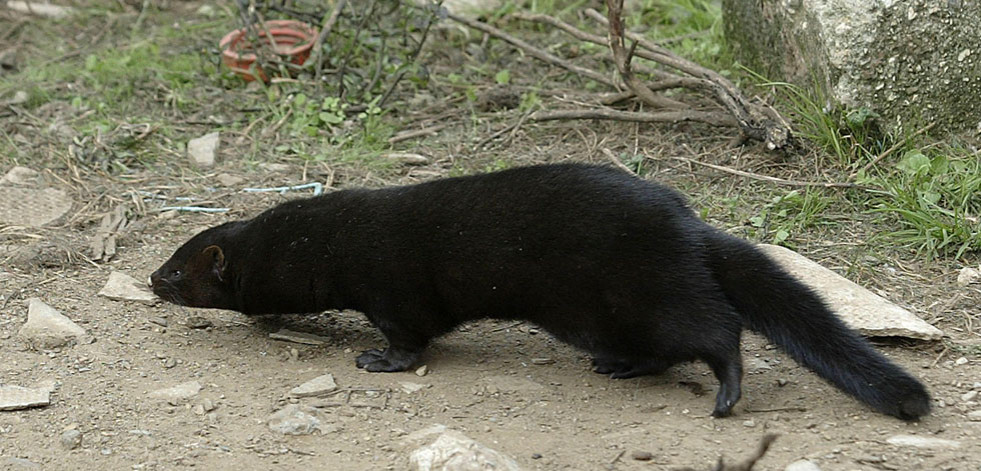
{"points": [[707, 117], [778, 181], [325, 29], [613, 158], [622, 58], [893, 149], [534, 51], [406, 135]]}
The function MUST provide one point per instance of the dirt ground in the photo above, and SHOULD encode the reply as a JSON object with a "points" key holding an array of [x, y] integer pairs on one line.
{"points": [[507, 385]]}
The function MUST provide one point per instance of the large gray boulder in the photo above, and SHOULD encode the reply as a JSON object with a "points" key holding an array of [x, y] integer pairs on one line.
{"points": [[912, 62]]}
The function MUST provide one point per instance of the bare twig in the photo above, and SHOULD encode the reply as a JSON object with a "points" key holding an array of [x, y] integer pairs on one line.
{"points": [[622, 58], [534, 51], [778, 181], [325, 29], [613, 158], [893, 149], [414, 133], [709, 117], [758, 122]]}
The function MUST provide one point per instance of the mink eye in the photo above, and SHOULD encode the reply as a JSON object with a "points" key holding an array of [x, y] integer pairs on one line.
{"points": [[175, 273]]}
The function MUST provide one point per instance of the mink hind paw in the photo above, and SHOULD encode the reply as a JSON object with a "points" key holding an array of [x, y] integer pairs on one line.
{"points": [[387, 361]]}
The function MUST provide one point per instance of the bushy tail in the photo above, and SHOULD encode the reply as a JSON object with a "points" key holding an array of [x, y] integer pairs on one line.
{"points": [[788, 313]]}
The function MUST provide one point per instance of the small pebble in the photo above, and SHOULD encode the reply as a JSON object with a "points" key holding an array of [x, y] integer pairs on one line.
{"points": [[641, 455], [170, 363], [542, 361], [960, 361], [536, 456], [422, 370], [71, 439], [159, 321], [969, 396], [749, 423], [974, 416], [782, 382]]}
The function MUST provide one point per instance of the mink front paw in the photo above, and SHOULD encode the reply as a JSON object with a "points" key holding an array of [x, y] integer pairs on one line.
{"points": [[387, 361]]}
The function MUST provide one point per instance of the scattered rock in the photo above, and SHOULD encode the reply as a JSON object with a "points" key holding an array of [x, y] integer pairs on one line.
{"points": [[922, 442], [158, 320], [46, 328], [198, 322], [453, 451], [298, 337], [7, 58], [642, 455], [315, 387], [202, 150], [757, 365], [407, 158], [295, 419], [40, 9], [974, 416], [409, 387], [20, 175], [170, 363], [782, 382], [542, 361], [749, 423], [858, 307], [122, 287], [969, 396], [961, 361], [229, 180], [18, 397], [177, 394], [422, 370], [968, 275], [802, 465], [32, 207], [71, 439]]}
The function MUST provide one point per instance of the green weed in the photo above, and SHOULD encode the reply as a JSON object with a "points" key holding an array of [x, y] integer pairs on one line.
{"points": [[789, 214]]}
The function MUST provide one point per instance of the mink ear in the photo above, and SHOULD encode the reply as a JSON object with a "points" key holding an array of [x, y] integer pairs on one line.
{"points": [[218, 260]]}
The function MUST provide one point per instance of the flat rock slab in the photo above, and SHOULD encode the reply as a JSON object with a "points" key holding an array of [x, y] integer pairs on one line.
{"points": [[315, 387], [295, 419], [917, 441], [298, 337], [18, 397], [122, 287], [32, 207], [176, 394], [20, 176], [202, 150], [46, 328], [453, 451], [860, 308]]}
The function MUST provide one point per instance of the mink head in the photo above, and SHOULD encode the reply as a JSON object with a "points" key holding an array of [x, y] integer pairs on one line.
{"points": [[197, 275]]}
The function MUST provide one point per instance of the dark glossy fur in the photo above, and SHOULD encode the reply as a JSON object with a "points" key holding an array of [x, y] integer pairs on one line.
{"points": [[612, 264]]}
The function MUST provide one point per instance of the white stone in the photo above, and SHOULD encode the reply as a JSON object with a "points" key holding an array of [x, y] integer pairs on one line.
{"points": [[968, 275], [407, 158], [46, 328], [861, 309], [40, 8], [969, 396], [122, 287], [295, 419], [18, 397], [453, 451], [176, 394], [202, 150], [409, 387], [802, 465], [20, 176], [922, 442], [315, 387], [32, 207], [974, 416]]}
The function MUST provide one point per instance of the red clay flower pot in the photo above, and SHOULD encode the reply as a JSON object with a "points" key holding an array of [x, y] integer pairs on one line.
{"points": [[293, 39]]}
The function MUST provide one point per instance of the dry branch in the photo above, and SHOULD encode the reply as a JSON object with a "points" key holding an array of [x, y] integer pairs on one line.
{"points": [[675, 116], [622, 59], [757, 122]]}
